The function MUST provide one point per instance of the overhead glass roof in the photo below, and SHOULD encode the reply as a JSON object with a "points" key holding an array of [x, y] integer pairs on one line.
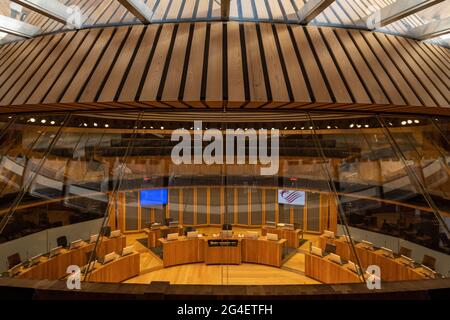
{"points": [[411, 18]]}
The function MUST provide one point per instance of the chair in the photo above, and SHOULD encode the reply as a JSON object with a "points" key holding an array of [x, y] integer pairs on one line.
{"points": [[88, 256], [62, 241], [405, 252], [429, 261], [330, 248], [106, 231], [14, 260], [227, 227], [167, 221], [188, 229]]}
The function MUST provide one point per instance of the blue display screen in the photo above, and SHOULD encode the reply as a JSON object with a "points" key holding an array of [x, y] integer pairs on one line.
{"points": [[153, 197]]}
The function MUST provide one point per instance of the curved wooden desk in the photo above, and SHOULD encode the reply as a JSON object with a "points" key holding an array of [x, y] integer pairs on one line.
{"points": [[326, 271], [118, 270], [292, 236], [55, 268], [182, 251], [261, 251], [392, 269], [153, 235]]}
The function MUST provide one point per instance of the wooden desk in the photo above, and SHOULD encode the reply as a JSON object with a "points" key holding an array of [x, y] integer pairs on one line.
{"points": [[343, 248], [223, 254], [182, 251], [391, 268], [55, 268], [263, 251], [155, 234], [292, 236], [326, 271], [121, 269]]}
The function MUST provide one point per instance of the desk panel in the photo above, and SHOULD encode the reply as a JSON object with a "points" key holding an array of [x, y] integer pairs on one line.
{"points": [[292, 236], [328, 272], [182, 251], [263, 251], [121, 269]]}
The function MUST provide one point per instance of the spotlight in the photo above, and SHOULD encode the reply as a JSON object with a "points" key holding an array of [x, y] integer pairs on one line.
{"points": [[416, 121], [403, 123], [106, 125], [43, 121], [95, 124], [410, 121], [352, 125], [32, 120], [52, 122]]}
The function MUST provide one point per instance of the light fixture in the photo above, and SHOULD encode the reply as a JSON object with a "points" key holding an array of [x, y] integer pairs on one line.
{"points": [[352, 125], [416, 121], [358, 126], [52, 122], [85, 124], [410, 121], [328, 127], [95, 124], [106, 125], [403, 123], [32, 120], [162, 128], [366, 126], [293, 128], [43, 121]]}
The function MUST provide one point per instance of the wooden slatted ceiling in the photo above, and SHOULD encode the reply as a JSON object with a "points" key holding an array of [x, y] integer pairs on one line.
{"points": [[341, 12], [224, 65]]}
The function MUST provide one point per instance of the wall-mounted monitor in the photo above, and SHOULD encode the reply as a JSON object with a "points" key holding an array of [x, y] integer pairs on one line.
{"points": [[291, 197], [153, 197]]}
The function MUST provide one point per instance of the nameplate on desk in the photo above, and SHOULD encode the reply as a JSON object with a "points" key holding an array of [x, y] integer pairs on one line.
{"points": [[223, 243]]}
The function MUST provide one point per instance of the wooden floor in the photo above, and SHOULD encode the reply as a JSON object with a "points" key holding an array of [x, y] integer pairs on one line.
{"points": [[200, 273], [244, 274]]}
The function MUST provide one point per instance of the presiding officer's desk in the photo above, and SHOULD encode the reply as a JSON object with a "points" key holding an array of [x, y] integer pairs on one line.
{"points": [[392, 269], [217, 250], [329, 272], [223, 250], [56, 267], [292, 236], [118, 270], [153, 235]]}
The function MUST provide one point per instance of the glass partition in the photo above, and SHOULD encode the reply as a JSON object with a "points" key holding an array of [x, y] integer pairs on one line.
{"points": [[348, 188]]}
